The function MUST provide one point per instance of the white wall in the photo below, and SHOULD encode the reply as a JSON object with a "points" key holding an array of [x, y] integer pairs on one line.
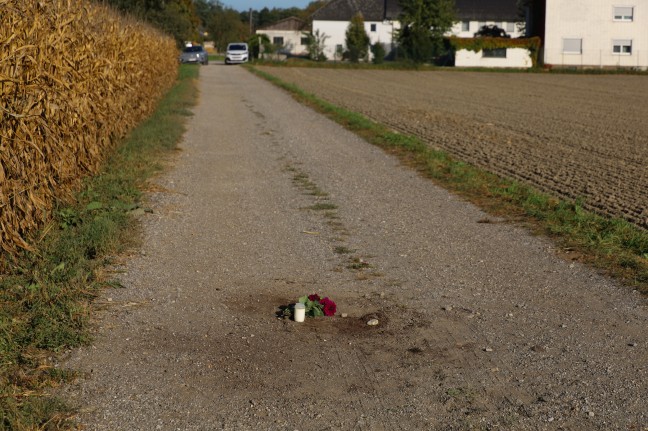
{"points": [[515, 57], [336, 32], [593, 22], [292, 40]]}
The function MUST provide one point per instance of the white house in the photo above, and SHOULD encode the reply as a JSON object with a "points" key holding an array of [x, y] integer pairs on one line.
{"points": [[599, 33], [382, 24], [287, 36], [332, 21]]}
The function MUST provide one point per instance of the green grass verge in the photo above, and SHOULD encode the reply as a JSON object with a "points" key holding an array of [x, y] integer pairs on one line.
{"points": [[614, 246], [408, 65], [46, 295]]}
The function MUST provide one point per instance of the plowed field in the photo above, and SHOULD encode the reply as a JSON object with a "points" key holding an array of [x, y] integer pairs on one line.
{"points": [[571, 135]]}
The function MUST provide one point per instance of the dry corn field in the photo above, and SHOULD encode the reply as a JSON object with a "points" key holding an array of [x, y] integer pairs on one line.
{"points": [[576, 136], [74, 78]]}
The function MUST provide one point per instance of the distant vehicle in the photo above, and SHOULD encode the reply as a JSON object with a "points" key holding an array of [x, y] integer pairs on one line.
{"points": [[237, 53], [194, 54]]}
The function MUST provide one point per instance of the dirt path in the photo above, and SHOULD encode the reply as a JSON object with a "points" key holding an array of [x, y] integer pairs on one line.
{"points": [[481, 325]]}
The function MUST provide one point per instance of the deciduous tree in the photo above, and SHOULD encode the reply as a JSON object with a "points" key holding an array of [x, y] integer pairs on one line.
{"points": [[175, 17], [316, 43], [424, 23]]}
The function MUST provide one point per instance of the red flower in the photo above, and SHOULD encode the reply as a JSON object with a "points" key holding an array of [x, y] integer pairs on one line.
{"points": [[314, 297], [328, 307]]}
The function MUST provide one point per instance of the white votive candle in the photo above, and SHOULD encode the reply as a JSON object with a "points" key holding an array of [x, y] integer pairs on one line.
{"points": [[300, 312]]}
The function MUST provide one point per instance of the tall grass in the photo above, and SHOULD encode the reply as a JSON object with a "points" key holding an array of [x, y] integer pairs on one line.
{"points": [[47, 293]]}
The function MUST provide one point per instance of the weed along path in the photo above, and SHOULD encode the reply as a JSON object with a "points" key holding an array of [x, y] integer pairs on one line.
{"points": [[480, 325]]}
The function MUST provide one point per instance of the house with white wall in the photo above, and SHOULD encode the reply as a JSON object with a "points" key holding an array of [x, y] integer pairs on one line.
{"points": [[382, 24], [595, 33], [333, 19], [287, 36]]}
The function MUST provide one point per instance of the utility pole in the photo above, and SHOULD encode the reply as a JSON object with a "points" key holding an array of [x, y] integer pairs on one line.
{"points": [[250, 21]]}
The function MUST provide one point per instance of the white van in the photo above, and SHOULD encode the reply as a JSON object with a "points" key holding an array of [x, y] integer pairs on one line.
{"points": [[237, 53]]}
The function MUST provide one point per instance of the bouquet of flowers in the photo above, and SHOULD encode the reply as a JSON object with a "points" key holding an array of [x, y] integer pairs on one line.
{"points": [[316, 306]]}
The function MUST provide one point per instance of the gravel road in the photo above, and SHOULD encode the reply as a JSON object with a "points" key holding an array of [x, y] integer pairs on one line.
{"points": [[481, 326]]}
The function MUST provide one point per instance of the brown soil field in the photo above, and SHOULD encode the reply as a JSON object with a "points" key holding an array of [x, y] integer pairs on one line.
{"points": [[575, 136]]}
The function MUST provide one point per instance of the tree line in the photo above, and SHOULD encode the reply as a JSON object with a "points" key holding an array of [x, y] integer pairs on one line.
{"points": [[420, 39], [200, 20]]}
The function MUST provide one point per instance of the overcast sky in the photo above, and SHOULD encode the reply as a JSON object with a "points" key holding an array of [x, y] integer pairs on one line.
{"points": [[242, 5]]}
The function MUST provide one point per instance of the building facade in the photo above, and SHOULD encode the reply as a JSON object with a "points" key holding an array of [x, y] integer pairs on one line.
{"points": [[288, 36], [332, 21], [596, 33]]}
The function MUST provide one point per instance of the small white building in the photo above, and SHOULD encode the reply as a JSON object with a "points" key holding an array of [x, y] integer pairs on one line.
{"points": [[288, 36], [596, 33]]}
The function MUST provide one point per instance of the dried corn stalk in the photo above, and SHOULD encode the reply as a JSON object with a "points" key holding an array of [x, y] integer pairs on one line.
{"points": [[74, 77]]}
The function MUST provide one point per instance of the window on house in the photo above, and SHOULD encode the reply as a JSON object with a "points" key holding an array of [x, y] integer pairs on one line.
{"points": [[494, 53], [481, 24], [278, 40], [623, 13], [373, 27], [573, 46], [622, 47], [510, 27], [465, 25], [304, 41]]}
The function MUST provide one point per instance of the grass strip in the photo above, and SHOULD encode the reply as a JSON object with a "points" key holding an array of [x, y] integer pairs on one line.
{"points": [[411, 66], [612, 245], [47, 295]]}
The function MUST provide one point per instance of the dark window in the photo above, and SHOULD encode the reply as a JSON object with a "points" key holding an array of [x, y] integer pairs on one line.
{"points": [[304, 41], [373, 27], [277, 40], [622, 47], [494, 53]]}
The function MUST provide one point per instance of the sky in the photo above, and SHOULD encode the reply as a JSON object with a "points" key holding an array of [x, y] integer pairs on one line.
{"points": [[242, 5]]}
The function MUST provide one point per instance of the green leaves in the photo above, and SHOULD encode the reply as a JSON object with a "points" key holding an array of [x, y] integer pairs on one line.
{"points": [[313, 308], [357, 39], [93, 206], [424, 24]]}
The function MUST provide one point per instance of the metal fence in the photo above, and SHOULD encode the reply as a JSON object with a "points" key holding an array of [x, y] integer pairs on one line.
{"points": [[603, 59]]}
